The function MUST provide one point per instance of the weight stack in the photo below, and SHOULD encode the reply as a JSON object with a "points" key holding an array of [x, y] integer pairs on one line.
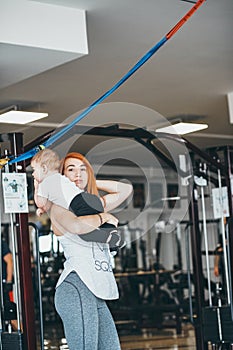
{"points": [[217, 324], [12, 341]]}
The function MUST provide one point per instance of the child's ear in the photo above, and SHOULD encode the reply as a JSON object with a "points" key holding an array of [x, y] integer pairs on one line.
{"points": [[44, 168]]}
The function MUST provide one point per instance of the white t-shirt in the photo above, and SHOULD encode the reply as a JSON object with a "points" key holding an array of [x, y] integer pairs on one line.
{"points": [[92, 262], [58, 189]]}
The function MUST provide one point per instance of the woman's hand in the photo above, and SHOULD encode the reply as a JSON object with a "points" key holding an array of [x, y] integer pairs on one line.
{"points": [[117, 193], [110, 219]]}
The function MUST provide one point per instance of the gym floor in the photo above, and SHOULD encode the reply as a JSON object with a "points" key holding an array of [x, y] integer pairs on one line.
{"points": [[165, 339]]}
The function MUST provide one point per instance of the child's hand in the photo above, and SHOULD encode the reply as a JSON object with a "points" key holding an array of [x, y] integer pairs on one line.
{"points": [[40, 212], [36, 184]]}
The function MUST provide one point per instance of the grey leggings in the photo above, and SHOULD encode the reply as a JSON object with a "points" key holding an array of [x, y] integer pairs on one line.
{"points": [[87, 321]]}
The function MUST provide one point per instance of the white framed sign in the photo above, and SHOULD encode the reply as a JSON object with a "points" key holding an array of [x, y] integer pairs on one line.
{"points": [[220, 202], [15, 192]]}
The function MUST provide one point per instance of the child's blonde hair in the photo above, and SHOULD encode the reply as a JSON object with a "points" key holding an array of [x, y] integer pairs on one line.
{"points": [[47, 157]]}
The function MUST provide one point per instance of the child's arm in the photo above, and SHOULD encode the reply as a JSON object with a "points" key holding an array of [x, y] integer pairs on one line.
{"points": [[42, 203], [117, 193]]}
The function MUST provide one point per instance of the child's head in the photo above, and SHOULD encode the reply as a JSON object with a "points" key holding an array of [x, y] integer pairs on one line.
{"points": [[43, 163]]}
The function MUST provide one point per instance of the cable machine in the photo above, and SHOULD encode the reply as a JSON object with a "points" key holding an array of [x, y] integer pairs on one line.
{"points": [[217, 316], [14, 144], [145, 138]]}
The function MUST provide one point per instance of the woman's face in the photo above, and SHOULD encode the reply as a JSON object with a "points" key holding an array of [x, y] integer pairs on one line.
{"points": [[76, 171]]}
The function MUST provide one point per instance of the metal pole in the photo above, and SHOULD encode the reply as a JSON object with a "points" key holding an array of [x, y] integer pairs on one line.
{"points": [[187, 249], [15, 264], [23, 243], [206, 244], [16, 272], [226, 269], [197, 267], [229, 265], [1, 285], [39, 284]]}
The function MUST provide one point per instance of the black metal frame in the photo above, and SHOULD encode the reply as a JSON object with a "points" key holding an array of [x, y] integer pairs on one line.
{"points": [[15, 141], [145, 138]]}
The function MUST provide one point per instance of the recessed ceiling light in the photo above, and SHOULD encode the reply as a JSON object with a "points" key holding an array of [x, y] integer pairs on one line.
{"points": [[21, 117], [182, 128]]}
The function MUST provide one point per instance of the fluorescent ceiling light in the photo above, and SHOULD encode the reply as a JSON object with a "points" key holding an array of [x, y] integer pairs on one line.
{"points": [[182, 128], [21, 117]]}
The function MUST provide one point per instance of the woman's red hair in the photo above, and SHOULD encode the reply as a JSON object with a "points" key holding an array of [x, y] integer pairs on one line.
{"points": [[91, 183]]}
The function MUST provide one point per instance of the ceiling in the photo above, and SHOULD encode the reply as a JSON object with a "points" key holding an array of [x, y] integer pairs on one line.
{"points": [[189, 77]]}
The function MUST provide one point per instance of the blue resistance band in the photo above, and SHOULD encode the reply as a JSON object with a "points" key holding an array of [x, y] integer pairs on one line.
{"points": [[145, 58]]}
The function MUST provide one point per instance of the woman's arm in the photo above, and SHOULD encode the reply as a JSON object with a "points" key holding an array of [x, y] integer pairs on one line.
{"points": [[9, 267], [117, 193], [217, 258], [65, 221], [216, 265]]}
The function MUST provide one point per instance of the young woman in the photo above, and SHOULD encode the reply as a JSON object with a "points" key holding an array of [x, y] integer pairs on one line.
{"points": [[87, 280]]}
